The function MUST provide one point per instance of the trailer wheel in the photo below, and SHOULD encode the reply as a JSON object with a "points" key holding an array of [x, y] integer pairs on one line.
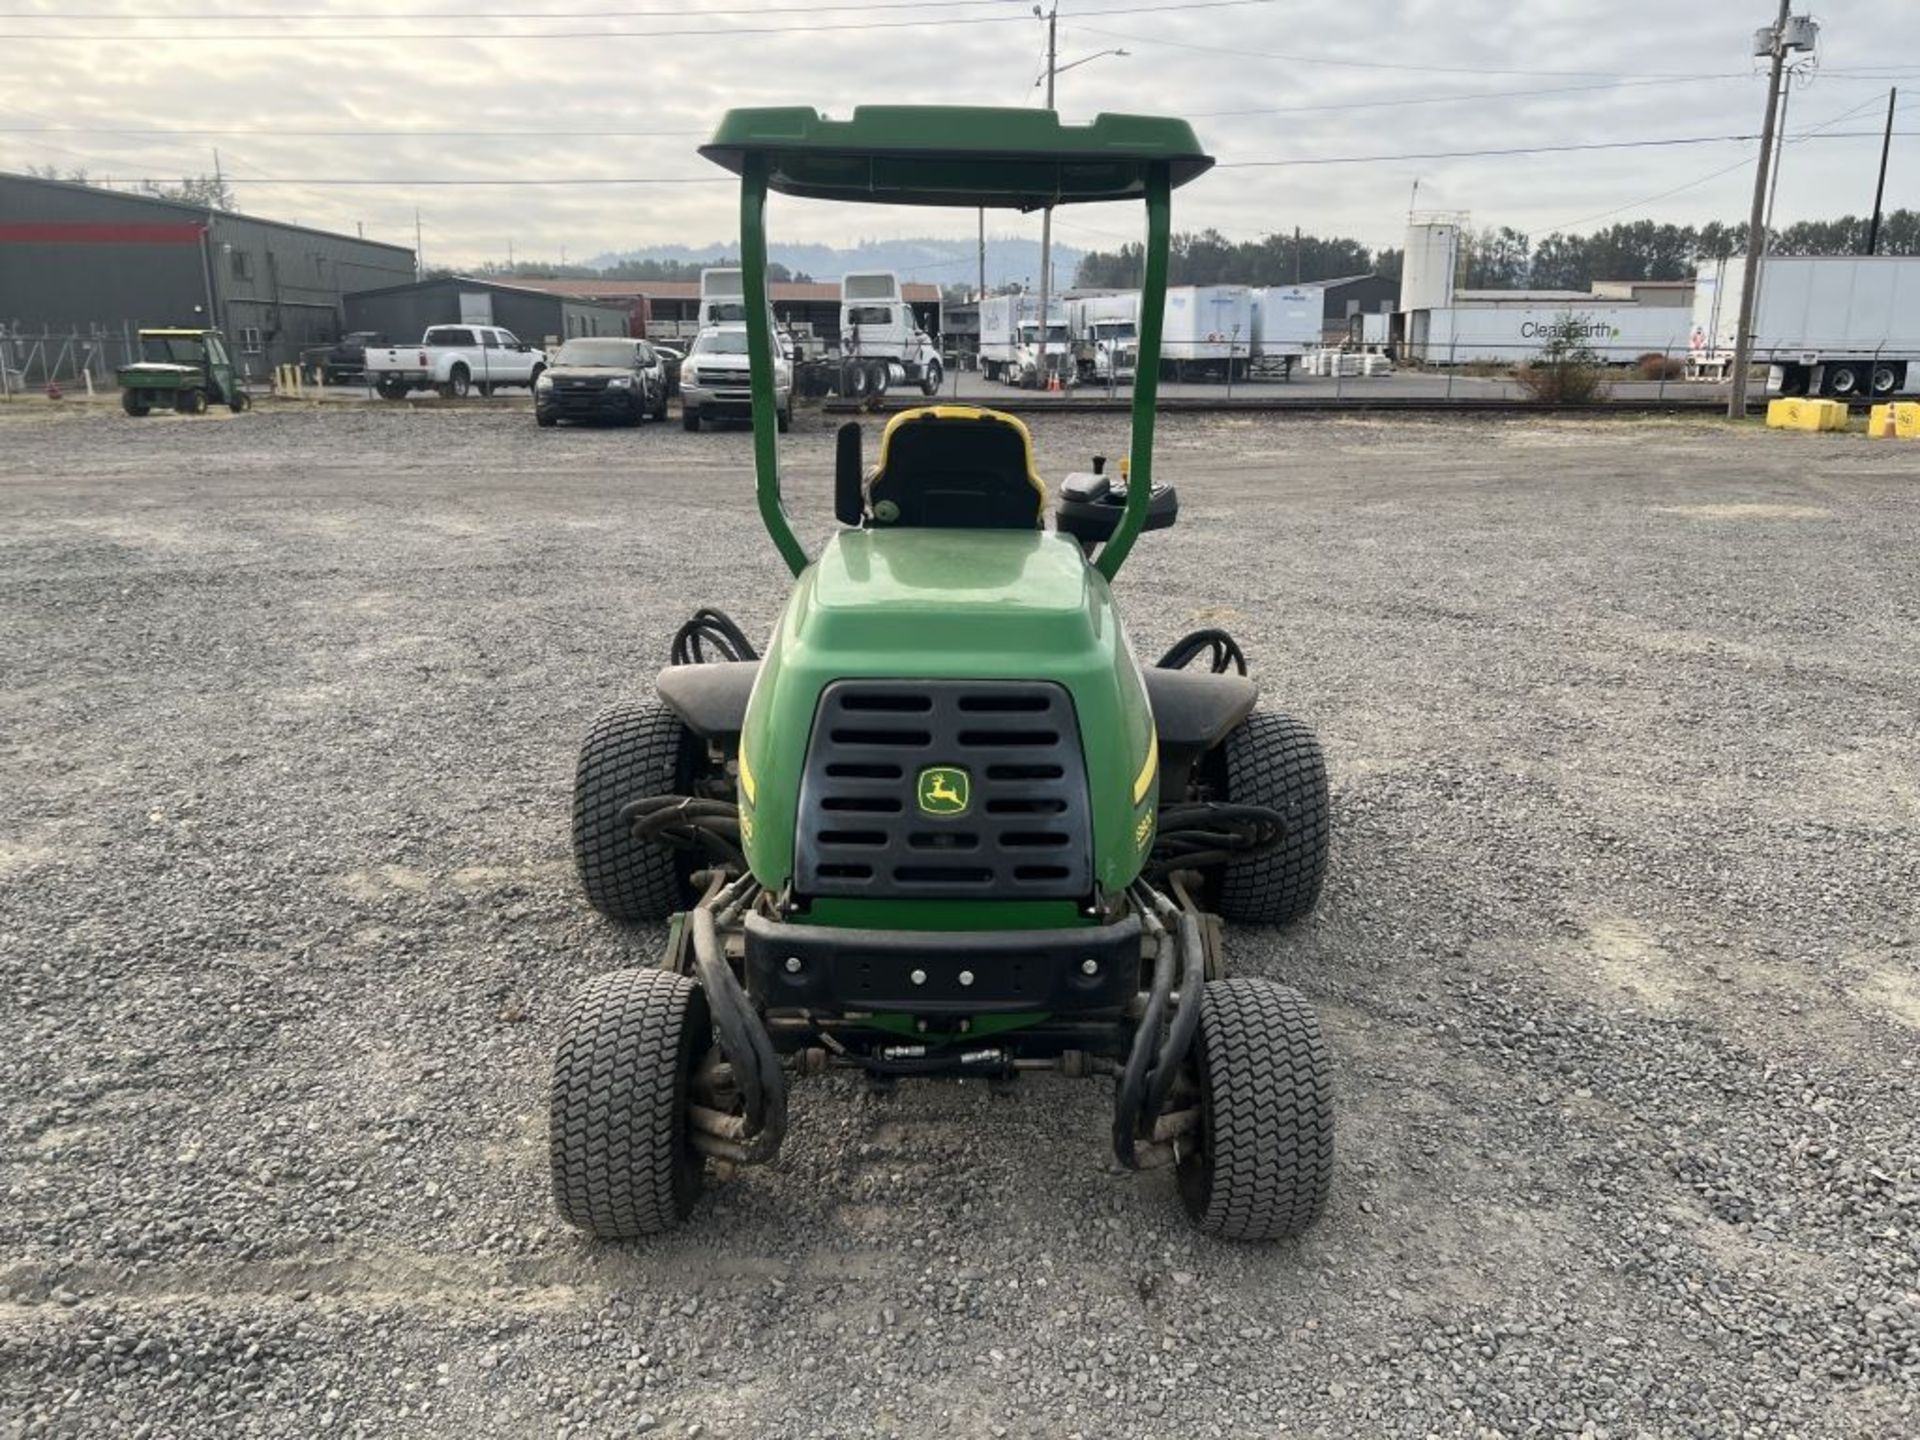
{"points": [[1843, 379], [134, 402], [930, 380], [1887, 378]]}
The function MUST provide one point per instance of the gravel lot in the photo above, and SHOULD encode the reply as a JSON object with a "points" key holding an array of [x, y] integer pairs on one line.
{"points": [[1617, 957]]}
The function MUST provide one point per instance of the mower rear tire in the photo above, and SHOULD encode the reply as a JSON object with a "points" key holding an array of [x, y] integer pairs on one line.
{"points": [[633, 750], [1274, 760], [134, 402], [1264, 1163], [617, 1133]]}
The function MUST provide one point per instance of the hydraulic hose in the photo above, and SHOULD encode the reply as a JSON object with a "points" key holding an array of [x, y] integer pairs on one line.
{"points": [[1131, 1097], [748, 1047]]}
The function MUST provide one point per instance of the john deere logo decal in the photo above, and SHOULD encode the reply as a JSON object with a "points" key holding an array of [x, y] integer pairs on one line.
{"points": [[944, 790]]}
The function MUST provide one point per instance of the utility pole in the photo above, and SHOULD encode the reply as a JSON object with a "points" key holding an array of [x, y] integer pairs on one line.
{"points": [[1046, 215], [419, 250], [1296, 255], [1880, 188], [1757, 218], [981, 293]]}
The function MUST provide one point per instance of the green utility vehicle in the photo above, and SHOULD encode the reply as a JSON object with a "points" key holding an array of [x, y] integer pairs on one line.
{"points": [[184, 370], [948, 825]]}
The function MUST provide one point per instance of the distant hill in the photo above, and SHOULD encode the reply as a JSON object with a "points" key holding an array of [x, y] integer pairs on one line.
{"points": [[935, 261]]}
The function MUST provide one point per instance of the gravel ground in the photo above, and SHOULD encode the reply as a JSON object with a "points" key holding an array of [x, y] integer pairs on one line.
{"points": [[1617, 955]]}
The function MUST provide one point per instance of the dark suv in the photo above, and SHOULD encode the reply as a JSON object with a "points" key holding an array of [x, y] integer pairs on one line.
{"points": [[602, 379]]}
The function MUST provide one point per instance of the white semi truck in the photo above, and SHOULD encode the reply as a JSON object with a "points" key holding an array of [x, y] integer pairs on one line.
{"points": [[1010, 342], [1106, 336], [1847, 326], [877, 325]]}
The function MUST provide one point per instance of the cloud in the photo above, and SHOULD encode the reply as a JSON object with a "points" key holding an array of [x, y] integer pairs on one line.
{"points": [[167, 71]]}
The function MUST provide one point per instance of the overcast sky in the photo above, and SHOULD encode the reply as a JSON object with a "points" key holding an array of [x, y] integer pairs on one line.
{"points": [[1264, 81]]}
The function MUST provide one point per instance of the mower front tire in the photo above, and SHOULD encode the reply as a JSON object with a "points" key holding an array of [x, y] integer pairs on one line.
{"points": [[617, 1133], [1265, 1158], [633, 750], [1274, 760]]}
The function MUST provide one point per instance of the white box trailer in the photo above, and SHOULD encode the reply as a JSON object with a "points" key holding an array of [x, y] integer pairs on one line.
{"points": [[1840, 325], [1287, 323], [1010, 337], [1619, 332], [1206, 327]]}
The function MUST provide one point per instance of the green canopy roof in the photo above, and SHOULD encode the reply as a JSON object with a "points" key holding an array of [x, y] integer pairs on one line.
{"points": [[956, 154]]}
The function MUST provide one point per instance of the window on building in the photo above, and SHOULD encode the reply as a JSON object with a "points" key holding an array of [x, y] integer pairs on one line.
{"points": [[250, 339], [242, 265]]}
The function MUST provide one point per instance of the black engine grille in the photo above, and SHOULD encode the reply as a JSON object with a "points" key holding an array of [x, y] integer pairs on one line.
{"points": [[1025, 832]]}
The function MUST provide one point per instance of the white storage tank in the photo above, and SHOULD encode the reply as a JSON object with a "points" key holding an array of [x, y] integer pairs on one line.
{"points": [[1426, 273]]}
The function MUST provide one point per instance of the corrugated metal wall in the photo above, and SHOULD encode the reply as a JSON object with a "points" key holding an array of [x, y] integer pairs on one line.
{"points": [[76, 259]]}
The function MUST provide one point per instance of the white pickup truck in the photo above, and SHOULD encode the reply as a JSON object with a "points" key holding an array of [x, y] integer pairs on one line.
{"points": [[455, 360]]}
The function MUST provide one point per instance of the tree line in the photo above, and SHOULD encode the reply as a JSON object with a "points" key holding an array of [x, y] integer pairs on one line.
{"points": [[1497, 259]]}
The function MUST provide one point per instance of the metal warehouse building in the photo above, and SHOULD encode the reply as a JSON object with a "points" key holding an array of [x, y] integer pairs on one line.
{"points": [[402, 313], [76, 260]]}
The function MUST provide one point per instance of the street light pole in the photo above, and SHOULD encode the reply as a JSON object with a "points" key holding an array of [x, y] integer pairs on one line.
{"points": [[1046, 215], [1756, 221]]}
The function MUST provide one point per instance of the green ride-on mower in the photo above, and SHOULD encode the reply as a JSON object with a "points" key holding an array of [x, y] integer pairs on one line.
{"points": [[948, 825], [183, 370]]}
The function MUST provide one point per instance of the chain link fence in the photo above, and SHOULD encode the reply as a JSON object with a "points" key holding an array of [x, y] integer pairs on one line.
{"points": [[81, 357]]}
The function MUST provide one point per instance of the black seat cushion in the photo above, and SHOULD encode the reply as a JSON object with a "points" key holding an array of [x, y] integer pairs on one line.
{"points": [[957, 468]]}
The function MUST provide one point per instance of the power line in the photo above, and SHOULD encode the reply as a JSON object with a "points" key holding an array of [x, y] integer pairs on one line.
{"points": [[1472, 95], [1740, 164], [275, 131], [1529, 150], [1301, 59], [704, 31], [674, 12]]}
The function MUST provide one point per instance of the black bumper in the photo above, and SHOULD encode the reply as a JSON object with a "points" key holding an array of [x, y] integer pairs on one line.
{"points": [[975, 972], [591, 404]]}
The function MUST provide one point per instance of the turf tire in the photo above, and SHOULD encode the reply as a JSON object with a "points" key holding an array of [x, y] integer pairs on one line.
{"points": [[1265, 1158], [617, 1136], [633, 750], [1273, 759]]}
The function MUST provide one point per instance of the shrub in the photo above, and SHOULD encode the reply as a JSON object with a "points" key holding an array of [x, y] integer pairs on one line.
{"points": [[1567, 371]]}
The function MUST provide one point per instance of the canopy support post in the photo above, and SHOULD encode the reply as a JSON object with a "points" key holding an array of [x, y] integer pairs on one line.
{"points": [[1146, 375], [753, 286]]}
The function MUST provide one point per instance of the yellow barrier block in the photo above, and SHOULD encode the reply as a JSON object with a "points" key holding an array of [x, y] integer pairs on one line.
{"points": [[1899, 420], [1799, 413]]}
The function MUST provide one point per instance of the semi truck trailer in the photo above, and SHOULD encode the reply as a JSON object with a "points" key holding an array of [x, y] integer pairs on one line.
{"points": [[1846, 326]]}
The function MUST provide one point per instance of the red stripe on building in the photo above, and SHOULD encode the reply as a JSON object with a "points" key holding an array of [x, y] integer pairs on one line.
{"points": [[52, 232]]}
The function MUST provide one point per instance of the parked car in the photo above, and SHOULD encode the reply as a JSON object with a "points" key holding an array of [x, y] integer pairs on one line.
{"points": [[714, 380], [673, 357], [602, 379], [455, 360], [342, 362]]}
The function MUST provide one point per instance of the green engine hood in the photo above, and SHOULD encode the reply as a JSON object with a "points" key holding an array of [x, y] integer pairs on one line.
{"points": [[952, 605]]}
